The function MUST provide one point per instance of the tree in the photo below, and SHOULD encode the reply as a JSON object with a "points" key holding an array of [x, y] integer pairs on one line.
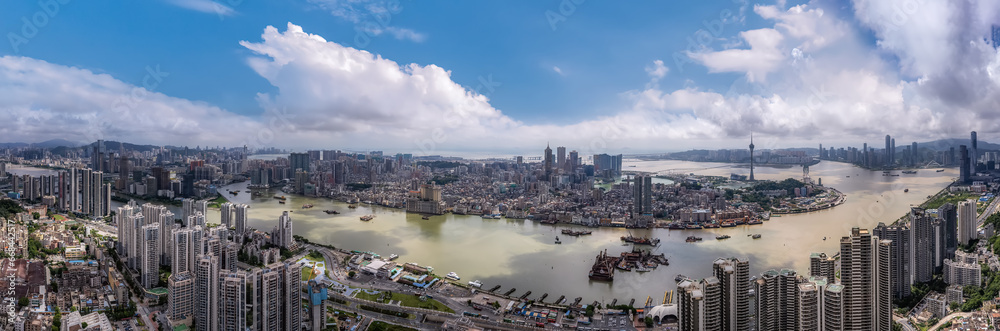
{"points": [[351, 274], [35, 215], [84, 325], [23, 302], [649, 322]]}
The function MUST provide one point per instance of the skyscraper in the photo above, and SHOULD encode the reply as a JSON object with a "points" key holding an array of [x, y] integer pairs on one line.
{"points": [[900, 267], [282, 234], [921, 246], [821, 265], [967, 222], [299, 161], [642, 196], [181, 295], [560, 157], [949, 215], [964, 169], [864, 272], [691, 308], [777, 293], [206, 292], [973, 154], [833, 307], [888, 151], [547, 162], [231, 300], [572, 162], [734, 277], [892, 154], [150, 255], [751, 156], [241, 218], [277, 297], [227, 214]]}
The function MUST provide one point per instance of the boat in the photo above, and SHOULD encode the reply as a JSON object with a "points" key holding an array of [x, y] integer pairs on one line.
{"points": [[281, 201], [940, 170], [329, 212], [234, 192], [452, 275], [306, 206], [367, 218], [640, 268], [247, 191], [641, 240], [352, 206], [557, 240], [725, 236], [756, 236], [824, 238], [906, 190], [393, 257], [425, 217], [909, 172], [476, 284], [692, 239], [279, 197], [680, 278], [603, 269]]}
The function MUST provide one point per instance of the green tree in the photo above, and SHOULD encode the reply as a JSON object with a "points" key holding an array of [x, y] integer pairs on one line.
{"points": [[36, 215], [649, 322], [351, 274], [23, 302]]}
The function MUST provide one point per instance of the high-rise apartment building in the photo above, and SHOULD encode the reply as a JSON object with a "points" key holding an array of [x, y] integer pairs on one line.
{"points": [[734, 277], [922, 246], [560, 157], [963, 270], [900, 266], [232, 300], [226, 209], [241, 218], [181, 289], [277, 297], [777, 300], [967, 222], [150, 256], [864, 270], [207, 292], [821, 265]]}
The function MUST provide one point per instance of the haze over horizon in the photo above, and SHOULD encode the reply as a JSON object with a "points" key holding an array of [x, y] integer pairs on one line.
{"points": [[501, 77]]}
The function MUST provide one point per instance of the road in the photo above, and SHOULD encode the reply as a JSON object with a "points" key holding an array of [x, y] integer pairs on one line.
{"points": [[949, 317], [988, 211]]}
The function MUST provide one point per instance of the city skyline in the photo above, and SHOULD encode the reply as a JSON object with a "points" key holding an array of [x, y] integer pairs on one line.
{"points": [[812, 71]]}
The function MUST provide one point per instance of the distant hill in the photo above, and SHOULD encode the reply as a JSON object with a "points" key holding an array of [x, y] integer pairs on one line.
{"points": [[45, 144], [945, 144]]}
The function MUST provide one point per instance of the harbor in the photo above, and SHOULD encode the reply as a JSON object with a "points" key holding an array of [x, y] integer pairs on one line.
{"points": [[496, 252]]}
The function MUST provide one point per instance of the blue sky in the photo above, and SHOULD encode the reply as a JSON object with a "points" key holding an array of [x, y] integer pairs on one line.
{"points": [[665, 75]]}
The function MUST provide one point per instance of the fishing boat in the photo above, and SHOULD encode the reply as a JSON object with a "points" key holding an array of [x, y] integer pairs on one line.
{"points": [[307, 206], [692, 239], [940, 170], [425, 217], [352, 206], [725, 236], [557, 240], [476, 284], [280, 197], [453, 276], [367, 218], [281, 201], [641, 240], [756, 236], [393, 257], [331, 212], [906, 190]]}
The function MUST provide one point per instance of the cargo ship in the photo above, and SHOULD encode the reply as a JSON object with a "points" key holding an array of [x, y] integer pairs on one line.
{"points": [[641, 240], [573, 233], [331, 212], [692, 239], [367, 218]]}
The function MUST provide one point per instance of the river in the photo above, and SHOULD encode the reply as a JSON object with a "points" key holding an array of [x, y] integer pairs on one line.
{"points": [[522, 254]]}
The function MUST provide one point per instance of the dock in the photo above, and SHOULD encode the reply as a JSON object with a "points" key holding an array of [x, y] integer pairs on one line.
{"points": [[525, 295], [510, 291]]}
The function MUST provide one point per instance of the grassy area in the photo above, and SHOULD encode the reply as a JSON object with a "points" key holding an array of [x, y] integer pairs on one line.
{"points": [[307, 273], [383, 326], [406, 300], [58, 217], [952, 198], [215, 203]]}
